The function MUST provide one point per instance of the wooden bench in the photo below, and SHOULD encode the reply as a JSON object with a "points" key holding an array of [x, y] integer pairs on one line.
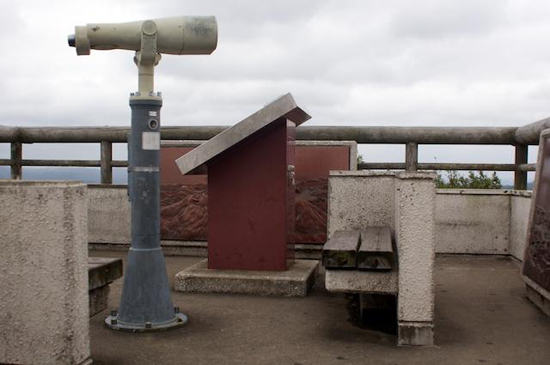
{"points": [[401, 268], [369, 249], [102, 271], [361, 262]]}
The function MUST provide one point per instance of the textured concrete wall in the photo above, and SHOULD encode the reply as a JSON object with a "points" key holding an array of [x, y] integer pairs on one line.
{"points": [[43, 273], [472, 221], [108, 214], [519, 221], [356, 202], [415, 240], [467, 221]]}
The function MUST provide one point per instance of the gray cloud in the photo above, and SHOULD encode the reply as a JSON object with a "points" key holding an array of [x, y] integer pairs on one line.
{"points": [[426, 62], [433, 19]]}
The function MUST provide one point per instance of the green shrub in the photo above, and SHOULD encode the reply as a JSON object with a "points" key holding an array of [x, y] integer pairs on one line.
{"points": [[470, 181]]}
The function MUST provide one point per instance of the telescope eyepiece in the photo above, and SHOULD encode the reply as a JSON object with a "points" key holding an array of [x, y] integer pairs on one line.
{"points": [[72, 40]]}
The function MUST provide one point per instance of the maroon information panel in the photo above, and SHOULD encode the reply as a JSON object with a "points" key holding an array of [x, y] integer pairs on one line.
{"points": [[249, 193], [536, 264], [184, 202]]}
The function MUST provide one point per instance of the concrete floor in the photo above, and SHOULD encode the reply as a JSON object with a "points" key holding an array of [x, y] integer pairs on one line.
{"points": [[482, 317]]}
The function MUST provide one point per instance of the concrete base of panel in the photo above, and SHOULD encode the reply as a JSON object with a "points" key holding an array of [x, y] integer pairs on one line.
{"points": [[294, 282]]}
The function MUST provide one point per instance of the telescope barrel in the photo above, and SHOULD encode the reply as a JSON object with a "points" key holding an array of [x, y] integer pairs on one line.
{"points": [[175, 35]]}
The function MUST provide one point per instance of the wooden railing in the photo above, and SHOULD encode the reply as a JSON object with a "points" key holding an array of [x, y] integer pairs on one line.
{"points": [[412, 137]]}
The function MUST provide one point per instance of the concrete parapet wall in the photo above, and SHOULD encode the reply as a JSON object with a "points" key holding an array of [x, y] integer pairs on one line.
{"points": [[482, 221], [415, 241], [108, 214], [467, 221], [519, 222], [43, 273], [472, 221], [356, 202]]}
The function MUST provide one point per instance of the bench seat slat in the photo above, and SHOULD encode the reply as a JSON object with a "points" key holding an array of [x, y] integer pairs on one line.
{"points": [[340, 251], [102, 271], [376, 251]]}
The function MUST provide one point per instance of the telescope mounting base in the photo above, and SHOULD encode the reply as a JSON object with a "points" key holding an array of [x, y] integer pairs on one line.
{"points": [[112, 322]]}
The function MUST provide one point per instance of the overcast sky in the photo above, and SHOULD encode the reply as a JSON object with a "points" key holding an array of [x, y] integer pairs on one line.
{"points": [[402, 63]]}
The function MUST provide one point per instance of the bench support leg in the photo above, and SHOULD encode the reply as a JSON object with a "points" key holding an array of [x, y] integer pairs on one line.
{"points": [[415, 334]]}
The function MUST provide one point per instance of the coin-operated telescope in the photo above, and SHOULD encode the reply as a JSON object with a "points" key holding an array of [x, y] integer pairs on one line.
{"points": [[146, 304], [149, 38]]}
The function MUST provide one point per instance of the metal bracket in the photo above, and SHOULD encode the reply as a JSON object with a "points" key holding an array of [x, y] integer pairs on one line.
{"points": [[291, 174], [147, 58]]}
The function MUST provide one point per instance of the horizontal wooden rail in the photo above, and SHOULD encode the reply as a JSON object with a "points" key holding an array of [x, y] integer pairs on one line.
{"points": [[467, 166], [445, 166], [402, 135], [360, 166], [530, 133], [411, 137], [362, 134], [527, 167], [70, 163], [64, 163], [381, 166]]}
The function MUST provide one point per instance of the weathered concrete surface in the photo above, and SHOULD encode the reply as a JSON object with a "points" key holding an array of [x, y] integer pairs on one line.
{"points": [[108, 214], [519, 221], [415, 333], [356, 202], [366, 282], [415, 241], [43, 273], [294, 282], [482, 221], [482, 317], [98, 299], [535, 295], [472, 221], [101, 273]]}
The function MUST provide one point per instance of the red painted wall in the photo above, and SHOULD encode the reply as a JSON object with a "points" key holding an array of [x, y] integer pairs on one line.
{"points": [[313, 162], [184, 198], [169, 171]]}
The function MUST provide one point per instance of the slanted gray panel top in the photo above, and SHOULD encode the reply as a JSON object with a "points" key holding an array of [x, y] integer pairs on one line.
{"points": [[285, 106]]}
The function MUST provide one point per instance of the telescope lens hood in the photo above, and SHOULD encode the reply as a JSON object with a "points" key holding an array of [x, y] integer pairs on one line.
{"points": [[71, 39]]}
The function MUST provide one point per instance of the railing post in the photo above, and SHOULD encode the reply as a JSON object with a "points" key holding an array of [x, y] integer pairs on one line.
{"points": [[520, 177], [16, 160], [106, 162], [411, 156]]}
